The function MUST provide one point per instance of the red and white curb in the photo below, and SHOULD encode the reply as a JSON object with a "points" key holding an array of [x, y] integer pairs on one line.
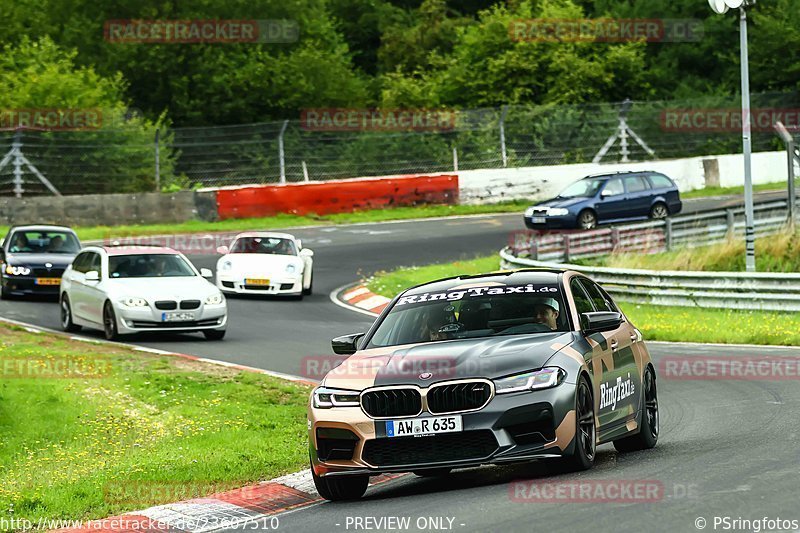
{"points": [[360, 299], [251, 504]]}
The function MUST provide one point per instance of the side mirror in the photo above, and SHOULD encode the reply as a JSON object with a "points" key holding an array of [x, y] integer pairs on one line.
{"points": [[206, 273], [600, 321], [224, 250], [306, 252], [346, 344], [605, 193], [92, 275]]}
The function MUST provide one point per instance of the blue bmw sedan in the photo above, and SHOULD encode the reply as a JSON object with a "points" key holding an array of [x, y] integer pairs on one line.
{"points": [[607, 198]]}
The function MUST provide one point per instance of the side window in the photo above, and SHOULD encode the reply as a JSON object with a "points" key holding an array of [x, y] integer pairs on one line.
{"points": [[660, 181], [613, 187], [94, 263], [582, 302], [81, 262], [599, 298], [636, 184]]}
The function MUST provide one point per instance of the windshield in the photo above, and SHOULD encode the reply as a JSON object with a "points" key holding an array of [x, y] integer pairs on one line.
{"points": [[586, 188], [149, 266], [264, 245], [478, 311], [44, 242]]}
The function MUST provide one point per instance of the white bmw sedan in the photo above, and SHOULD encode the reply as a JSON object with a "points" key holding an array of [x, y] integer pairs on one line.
{"points": [[260, 262], [130, 289]]}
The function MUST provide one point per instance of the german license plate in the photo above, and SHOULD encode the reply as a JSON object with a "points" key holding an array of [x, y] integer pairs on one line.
{"points": [[48, 281], [177, 317], [418, 427], [538, 220], [256, 281]]}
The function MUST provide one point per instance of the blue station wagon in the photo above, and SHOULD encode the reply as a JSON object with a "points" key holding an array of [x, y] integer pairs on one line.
{"points": [[607, 198]]}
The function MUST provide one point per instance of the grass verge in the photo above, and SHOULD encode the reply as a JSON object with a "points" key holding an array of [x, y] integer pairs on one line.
{"points": [[91, 430], [676, 324], [286, 220]]}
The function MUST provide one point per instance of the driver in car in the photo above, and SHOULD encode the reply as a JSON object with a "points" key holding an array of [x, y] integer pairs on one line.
{"points": [[545, 311], [432, 319]]}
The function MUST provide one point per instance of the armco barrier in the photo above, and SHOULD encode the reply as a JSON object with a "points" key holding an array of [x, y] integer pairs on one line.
{"points": [[725, 290], [336, 196]]}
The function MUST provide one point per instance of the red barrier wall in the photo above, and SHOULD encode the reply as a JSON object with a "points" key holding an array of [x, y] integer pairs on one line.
{"points": [[336, 196]]}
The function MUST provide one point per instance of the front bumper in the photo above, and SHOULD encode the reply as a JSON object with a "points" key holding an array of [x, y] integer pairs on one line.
{"points": [[551, 222], [285, 284], [512, 427], [139, 319], [28, 285]]}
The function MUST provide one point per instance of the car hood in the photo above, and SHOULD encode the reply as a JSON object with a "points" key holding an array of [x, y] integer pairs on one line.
{"points": [[563, 202], [486, 357], [261, 261], [57, 260], [168, 288]]}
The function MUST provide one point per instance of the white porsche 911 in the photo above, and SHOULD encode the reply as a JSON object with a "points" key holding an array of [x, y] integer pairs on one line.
{"points": [[260, 262]]}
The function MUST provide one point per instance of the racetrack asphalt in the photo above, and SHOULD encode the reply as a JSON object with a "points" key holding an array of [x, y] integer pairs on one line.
{"points": [[727, 448]]}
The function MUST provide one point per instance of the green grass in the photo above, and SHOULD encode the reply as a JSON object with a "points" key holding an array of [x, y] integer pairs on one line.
{"points": [[776, 253], [148, 428], [725, 191], [286, 220], [677, 324]]}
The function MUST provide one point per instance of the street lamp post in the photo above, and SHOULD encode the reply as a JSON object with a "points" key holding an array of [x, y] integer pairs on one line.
{"points": [[720, 7]]}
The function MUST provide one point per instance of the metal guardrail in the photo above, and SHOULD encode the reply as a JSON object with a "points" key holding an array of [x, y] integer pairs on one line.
{"points": [[728, 290], [700, 229]]}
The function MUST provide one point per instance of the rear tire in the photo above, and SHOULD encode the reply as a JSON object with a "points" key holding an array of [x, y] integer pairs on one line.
{"points": [[66, 316], [647, 437], [110, 322], [587, 219], [340, 488], [585, 448], [659, 211], [214, 334]]}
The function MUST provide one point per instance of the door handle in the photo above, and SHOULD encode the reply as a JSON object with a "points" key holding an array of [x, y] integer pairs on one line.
{"points": [[634, 337], [614, 344]]}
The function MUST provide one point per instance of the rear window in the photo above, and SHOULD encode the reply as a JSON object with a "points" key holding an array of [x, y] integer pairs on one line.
{"points": [[472, 312], [661, 182]]}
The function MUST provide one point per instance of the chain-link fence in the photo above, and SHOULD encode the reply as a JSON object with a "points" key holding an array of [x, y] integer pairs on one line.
{"points": [[105, 161]]}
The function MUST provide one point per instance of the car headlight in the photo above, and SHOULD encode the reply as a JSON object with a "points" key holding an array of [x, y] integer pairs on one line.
{"points": [[215, 299], [291, 269], [17, 270], [226, 265], [529, 212], [325, 398], [134, 302], [558, 211], [536, 380]]}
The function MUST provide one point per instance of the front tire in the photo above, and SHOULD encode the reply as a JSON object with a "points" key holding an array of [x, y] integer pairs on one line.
{"points": [[647, 437], [587, 219], [309, 290], [585, 448], [110, 322], [214, 334], [340, 488], [66, 316]]}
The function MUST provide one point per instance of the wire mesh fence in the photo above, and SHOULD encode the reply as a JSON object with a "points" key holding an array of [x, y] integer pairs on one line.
{"points": [[130, 160]]}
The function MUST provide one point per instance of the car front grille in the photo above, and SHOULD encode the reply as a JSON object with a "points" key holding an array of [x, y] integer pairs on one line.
{"points": [[455, 397], [257, 287], [415, 451], [383, 403], [166, 305], [190, 304], [147, 324], [47, 272]]}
